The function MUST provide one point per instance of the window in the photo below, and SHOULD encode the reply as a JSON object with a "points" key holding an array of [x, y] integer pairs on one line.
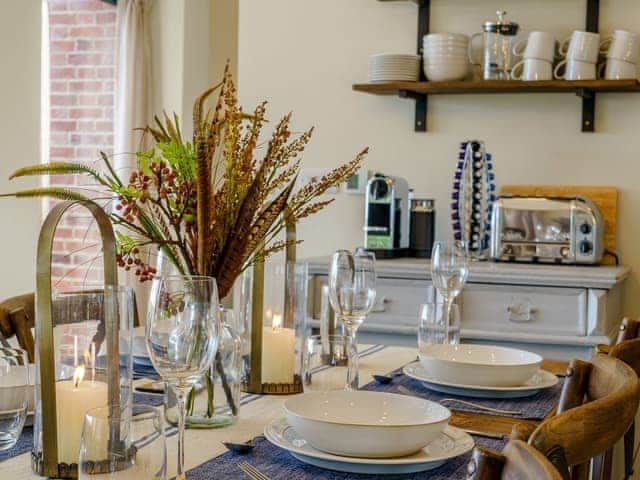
{"points": [[81, 85]]}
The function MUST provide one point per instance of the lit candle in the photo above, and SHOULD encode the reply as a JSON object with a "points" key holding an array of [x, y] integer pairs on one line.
{"points": [[73, 399], [277, 352]]}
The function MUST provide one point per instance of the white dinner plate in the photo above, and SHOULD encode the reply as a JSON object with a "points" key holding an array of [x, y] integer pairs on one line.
{"points": [[450, 444], [539, 381]]}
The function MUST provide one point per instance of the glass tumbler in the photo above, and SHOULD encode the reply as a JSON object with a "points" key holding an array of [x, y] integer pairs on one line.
{"points": [[126, 444], [15, 391], [325, 363], [433, 325]]}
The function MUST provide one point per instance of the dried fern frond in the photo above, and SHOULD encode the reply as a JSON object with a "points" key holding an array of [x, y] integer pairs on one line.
{"points": [[55, 168], [50, 192]]}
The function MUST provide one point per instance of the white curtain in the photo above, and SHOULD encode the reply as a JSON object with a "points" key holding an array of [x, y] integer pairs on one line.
{"points": [[134, 99]]}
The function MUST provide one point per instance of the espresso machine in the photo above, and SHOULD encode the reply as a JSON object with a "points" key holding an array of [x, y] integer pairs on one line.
{"points": [[386, 216]]}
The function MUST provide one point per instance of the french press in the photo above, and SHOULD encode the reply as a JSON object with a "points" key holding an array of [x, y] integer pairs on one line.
{"points": [[497, 42]]}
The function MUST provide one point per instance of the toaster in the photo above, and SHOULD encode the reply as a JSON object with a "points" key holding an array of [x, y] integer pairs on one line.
{"points": [[564, 230]]}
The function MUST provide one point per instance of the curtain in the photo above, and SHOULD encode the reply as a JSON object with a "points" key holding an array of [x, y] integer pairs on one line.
{"points": [[134, 99]]}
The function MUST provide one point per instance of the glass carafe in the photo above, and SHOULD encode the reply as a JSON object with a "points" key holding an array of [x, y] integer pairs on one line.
{"points": [[497, 43]]}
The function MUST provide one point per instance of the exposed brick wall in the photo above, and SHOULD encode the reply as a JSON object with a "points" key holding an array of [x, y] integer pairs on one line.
{"points": [[82, 81]]}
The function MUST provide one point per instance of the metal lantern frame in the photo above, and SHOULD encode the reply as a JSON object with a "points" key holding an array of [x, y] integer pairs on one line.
{"points": [[253, 383], [45, 461]]}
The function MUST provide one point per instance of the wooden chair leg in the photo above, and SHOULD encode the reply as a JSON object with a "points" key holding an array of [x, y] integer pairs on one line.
{"points": [[629, 445], [581, 472], [602, 465]]}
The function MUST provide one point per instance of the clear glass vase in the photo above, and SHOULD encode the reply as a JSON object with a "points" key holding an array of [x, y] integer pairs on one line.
{"points": [[215, 401]]}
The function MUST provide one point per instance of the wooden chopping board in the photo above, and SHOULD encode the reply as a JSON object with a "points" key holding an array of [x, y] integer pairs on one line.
{"points": [[605, 198]]}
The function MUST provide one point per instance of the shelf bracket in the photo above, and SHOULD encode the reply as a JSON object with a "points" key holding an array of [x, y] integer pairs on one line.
{"points": [[588, 96], [421, 100]]}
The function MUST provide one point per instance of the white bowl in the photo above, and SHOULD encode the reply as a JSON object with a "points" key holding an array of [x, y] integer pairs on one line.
{"points": [[439, 58], [482, 365], [442, 72], [366, 424]]}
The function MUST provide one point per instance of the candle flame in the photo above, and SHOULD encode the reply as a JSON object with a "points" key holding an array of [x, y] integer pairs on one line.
{"points": [[276, 323], [78, 375]]}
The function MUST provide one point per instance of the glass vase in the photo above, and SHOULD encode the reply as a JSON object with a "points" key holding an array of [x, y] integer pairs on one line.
{"points": [[215, 401]]}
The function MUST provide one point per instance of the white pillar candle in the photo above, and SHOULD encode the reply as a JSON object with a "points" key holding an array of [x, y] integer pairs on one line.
{"points": [[278, 346], [73, 399]]}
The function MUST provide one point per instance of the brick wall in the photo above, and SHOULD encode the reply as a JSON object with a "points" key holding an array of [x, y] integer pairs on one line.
{"points": [[82, 81]]}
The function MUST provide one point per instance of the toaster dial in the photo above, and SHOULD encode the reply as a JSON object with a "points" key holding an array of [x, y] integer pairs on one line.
{"points": [[586, 247]]}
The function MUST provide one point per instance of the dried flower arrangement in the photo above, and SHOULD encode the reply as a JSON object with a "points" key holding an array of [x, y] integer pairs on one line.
{"points": [[211, 205]]}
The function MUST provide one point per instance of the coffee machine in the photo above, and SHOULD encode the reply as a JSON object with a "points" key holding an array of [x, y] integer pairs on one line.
{"points": [[386, 216]]}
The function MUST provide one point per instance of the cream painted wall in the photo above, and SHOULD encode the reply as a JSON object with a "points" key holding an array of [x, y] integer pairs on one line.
{"points": [[20, 140], [303, 55]]}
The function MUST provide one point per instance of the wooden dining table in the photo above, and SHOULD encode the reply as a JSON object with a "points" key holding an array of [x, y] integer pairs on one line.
{"points": [[258, 410]]}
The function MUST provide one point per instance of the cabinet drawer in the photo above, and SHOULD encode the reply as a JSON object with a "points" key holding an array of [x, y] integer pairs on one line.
{"points": [[536, 310], [397, 301]]}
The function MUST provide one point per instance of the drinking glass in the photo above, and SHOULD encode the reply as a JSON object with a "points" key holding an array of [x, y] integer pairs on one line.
{"points": [[325, 363], [433, 325], [449, 272], [352, 291], [14, 394], [182, 332], [123, 444]]}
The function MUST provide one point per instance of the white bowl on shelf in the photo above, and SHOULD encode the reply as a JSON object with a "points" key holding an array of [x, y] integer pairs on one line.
{"points": [[366, 424], [481, 365], [443, 72], [445, 37], [445, 58]]}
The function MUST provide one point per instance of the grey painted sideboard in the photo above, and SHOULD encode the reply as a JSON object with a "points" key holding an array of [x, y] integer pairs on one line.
{"points": [[557, 311]]}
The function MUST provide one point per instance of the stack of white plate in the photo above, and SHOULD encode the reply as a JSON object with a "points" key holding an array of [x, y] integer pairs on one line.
{"points": [[446, 56], [390, 67], [367, 432]]}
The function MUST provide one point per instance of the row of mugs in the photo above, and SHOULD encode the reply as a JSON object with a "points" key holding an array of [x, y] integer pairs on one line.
{"points": [[532, 69], [581, 46]]}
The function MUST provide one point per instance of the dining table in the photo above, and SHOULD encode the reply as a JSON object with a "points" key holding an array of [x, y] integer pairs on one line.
{"points": [[206, 457]]}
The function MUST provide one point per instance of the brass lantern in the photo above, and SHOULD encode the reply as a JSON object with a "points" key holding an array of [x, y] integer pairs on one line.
{"points": [[83, 352], [277, 327]]}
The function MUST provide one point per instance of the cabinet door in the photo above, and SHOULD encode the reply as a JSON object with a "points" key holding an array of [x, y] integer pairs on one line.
{"points": [[521, 309]]}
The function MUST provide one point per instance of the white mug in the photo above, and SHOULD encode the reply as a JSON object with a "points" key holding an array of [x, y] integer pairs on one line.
{"points": [[540, 45], [618, 70], [581, 46], [532, 69], [575, 70], [623, 45]]}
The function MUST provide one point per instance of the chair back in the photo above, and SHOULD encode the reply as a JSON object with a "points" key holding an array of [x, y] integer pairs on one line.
{"points": [[518, 461], [585, 431]]}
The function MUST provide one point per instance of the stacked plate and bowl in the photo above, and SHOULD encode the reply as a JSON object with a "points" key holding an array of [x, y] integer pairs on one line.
{"points": [[481, 371], [368, 432], [392, 67], [445, 56]]}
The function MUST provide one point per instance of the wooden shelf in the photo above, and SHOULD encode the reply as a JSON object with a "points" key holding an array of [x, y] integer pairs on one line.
{"points": [[497, 86]]}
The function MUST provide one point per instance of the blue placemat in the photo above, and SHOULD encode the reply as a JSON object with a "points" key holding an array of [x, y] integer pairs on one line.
{"points": [[25, 442], [535, 407], [279, 464]]}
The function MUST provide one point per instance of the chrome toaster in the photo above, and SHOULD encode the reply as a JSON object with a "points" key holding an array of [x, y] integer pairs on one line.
{"points": [[567, 230]]}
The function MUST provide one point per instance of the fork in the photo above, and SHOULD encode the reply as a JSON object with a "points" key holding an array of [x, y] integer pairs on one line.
{"points": [[252, 472], [406, 391]]}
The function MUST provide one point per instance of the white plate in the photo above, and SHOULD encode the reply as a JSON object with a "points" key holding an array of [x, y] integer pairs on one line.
{"points": [[451, 444], [540, 381]]}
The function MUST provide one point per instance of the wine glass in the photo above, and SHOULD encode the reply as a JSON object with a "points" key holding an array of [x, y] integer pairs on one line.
{"points": [[449, 272], [182, 332], [123, 444], [352, 291]]}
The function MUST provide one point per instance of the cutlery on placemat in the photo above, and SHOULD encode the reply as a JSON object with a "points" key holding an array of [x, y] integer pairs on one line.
{"points": [[481, 407], [240, 448], [252, 472], [406, 391], [480, 433], [150, 387], [385, 379]]}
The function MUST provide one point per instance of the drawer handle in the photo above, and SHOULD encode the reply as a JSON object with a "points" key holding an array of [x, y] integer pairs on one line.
{"points": [[521, 313], [380, 305]]}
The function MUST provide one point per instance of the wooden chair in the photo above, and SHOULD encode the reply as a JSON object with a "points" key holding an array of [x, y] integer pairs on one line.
{"points": [[584, 431], [518, 461], [17, 317]]}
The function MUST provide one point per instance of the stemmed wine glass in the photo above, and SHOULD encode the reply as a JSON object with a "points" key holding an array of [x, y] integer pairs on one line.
{"points": [[352, 291], [449, 272], [182, 332]]}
